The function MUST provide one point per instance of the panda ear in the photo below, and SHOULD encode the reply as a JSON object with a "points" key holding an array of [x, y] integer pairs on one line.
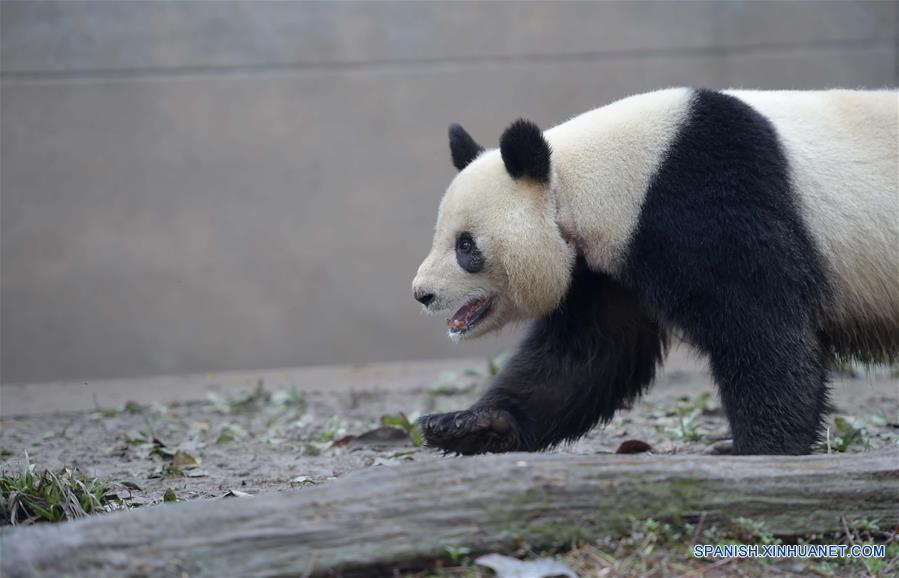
{"points": [[463, 148], [525, 151]]}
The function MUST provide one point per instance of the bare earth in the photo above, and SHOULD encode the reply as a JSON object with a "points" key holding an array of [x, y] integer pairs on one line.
{"points": [[205, 436]]}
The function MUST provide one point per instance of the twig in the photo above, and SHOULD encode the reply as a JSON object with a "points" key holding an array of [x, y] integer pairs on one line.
{"points": [[310, 567], [846, 529], [719, 563], [698, 529]]}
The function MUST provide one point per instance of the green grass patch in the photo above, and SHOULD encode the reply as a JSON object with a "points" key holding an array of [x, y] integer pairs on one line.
{"points": [[30, 496], [683, 423]]}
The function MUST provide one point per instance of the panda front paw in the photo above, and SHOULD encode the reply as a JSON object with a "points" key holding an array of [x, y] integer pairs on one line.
{"points": [[472, 431]]}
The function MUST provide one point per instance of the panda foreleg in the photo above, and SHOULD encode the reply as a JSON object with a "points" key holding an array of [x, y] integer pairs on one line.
{"points": [[595, 354]]}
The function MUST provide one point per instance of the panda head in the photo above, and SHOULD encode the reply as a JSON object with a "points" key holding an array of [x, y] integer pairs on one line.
{"points": [[498, 254]]}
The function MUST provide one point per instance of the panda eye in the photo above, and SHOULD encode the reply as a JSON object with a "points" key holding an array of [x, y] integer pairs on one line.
{"points": [[468, 255], [465, 243]]}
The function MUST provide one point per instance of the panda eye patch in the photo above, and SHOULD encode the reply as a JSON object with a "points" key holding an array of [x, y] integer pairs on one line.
{"points": [[468, 255]]}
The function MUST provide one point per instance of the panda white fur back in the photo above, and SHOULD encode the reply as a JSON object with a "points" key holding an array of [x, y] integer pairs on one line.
{"points": [[843, 150], [764, 226]]}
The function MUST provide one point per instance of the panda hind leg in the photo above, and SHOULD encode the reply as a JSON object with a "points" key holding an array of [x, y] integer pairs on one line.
{"points": [[774, 391]]}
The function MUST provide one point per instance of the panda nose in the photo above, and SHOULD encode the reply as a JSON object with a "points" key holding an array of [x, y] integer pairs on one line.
{"points": [[424, 298]]}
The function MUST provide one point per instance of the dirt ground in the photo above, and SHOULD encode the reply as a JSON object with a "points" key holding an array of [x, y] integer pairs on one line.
{"points": [[275, 431]]}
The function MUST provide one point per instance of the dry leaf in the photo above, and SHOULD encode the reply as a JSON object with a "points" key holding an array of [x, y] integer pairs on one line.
{"points": [[384, 436], [343, 442], [184, 460]]}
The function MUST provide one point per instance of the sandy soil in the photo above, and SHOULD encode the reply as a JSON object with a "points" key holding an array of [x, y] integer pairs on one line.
{"points": [[288, 431]]}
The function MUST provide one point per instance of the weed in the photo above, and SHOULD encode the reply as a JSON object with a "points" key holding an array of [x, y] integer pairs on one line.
{"points": [[227, 433], [131, 408], [311, 449], [259, 399], [289, 398], [846, 433], [748, 531], [244, 402], [457, 553], [134, 408], [333, 430], [31, 496], [401, 421], [684, 423], [279, 409], [495, 364]]}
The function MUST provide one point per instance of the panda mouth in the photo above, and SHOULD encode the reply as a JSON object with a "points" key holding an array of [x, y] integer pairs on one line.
{"points": [[468, 316]]}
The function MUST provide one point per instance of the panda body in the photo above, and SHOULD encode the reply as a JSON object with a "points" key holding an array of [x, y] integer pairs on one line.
{"points": [[841, 148], [762, 226]]}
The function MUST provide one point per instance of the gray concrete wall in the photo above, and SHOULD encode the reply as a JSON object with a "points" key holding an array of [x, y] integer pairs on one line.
{"points": [[211, 186]]}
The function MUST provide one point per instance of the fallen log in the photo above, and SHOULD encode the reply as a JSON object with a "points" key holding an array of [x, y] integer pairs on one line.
{"points": [[389, 517]]}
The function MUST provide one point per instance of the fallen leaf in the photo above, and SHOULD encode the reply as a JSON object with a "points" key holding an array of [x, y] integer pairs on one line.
{"points": [[507, 567], [343, 442], [184, 460], [383, 436], [236, 494]]}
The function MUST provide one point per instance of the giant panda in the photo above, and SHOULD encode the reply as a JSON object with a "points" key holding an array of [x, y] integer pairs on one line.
{"points": [[760, 227]]}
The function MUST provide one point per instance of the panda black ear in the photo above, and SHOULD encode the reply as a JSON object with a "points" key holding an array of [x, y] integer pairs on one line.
{"points": [[463, 148], [525, 151]]}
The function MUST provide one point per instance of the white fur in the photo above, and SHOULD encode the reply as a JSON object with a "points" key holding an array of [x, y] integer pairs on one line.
{"points": [[843, 150], [603, 161]]}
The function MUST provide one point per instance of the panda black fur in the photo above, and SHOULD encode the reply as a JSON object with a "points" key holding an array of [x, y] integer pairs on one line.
{"points": [[682, 209]]}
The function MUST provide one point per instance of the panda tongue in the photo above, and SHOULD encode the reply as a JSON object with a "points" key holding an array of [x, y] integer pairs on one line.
{"points": [[459, 320]]}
